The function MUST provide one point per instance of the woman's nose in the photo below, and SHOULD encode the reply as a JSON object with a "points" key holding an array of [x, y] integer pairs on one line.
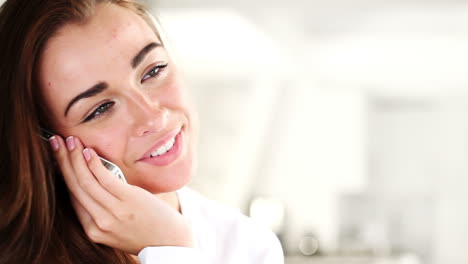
{"points": [[148, 117]]}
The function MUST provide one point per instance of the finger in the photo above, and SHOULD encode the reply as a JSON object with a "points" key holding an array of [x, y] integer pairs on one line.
{"points": [[63, 158], [108, 181], [88, 223], [83, 215], [87, 178]]}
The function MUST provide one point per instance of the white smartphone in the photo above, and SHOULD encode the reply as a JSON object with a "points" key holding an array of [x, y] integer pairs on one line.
{"points": [[114, 169]]}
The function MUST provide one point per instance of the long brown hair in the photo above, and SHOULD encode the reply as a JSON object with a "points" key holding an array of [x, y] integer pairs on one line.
{"points": [[37, 221]]}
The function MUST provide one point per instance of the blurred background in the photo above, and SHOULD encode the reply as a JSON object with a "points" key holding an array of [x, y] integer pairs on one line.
{"points": [[342, 125]]}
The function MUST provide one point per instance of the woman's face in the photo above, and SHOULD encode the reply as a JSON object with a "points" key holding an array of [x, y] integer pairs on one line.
{"points": [[111, 84]]}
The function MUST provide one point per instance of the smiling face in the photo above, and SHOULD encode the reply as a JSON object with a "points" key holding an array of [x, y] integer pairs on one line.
{"points": [[110, 83]]}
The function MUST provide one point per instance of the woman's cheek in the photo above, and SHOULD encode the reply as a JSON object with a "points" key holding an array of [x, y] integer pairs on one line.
{"points": [[106, 142]]}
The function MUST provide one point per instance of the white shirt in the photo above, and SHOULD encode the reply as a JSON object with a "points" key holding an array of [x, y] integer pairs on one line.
{"points": [[222, 236]]}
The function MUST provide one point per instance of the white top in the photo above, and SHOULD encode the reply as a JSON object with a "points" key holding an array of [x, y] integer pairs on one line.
{"points": [[222, 236]]}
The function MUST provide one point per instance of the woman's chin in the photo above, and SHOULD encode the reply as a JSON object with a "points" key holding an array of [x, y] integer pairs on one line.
{"points": [[167, 186], [162, 181]]}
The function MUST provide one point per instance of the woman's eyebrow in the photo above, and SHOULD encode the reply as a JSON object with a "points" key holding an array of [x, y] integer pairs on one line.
{"points": [[100, 87], [96, 89], [141, 55]]}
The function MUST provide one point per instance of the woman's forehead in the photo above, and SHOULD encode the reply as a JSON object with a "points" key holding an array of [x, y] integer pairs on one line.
{"points": [[111, 26]]}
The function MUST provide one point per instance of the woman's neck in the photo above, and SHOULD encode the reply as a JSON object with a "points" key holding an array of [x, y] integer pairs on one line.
{"points": [[170, 198]]}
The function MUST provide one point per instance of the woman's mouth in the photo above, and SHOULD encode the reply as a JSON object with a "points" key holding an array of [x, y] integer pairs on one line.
{"points": [[167, 150], [163, 149]]}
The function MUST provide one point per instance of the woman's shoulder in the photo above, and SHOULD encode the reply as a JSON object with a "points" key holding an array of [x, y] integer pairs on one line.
{"points": [[222, 235], [194, 205], [225, 225]]}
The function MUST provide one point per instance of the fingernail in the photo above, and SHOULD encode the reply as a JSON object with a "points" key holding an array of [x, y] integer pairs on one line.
{"points": [[70, 143], [54, 143], [86, 154]]}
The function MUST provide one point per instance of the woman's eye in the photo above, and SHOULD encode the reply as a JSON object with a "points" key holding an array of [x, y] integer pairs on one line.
{"points": [[154, 72], [102, 109]]}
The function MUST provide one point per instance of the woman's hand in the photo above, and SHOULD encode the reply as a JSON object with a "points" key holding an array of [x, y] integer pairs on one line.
{"points": [[112, 212]]}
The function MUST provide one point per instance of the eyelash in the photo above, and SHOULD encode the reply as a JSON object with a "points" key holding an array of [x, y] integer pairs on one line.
{"points": [[98, 112], [158, 69], [104, 108]]}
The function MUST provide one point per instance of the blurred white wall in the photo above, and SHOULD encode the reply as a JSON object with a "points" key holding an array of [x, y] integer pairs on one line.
{"points": [[364, 99], [452, 215]]}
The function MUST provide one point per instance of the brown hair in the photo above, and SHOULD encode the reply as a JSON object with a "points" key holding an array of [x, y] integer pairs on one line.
{"points": [[37, 221]]}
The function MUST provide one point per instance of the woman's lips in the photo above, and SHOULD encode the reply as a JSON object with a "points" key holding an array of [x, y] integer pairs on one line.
{"points": [[169, 156]]}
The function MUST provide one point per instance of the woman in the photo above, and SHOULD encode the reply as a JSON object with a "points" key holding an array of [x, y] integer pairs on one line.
{"points": [[97, 74]]}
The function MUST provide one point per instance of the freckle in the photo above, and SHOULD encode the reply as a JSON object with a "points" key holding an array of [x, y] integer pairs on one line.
{"points": [[131, 216], [114, 33], [49, 84]]}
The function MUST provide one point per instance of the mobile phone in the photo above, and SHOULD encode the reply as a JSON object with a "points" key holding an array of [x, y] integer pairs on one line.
{"points": [[114, 169]]}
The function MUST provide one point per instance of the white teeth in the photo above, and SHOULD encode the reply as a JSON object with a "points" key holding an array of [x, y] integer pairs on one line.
{"points": [[169, 144], [163, 149]]}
